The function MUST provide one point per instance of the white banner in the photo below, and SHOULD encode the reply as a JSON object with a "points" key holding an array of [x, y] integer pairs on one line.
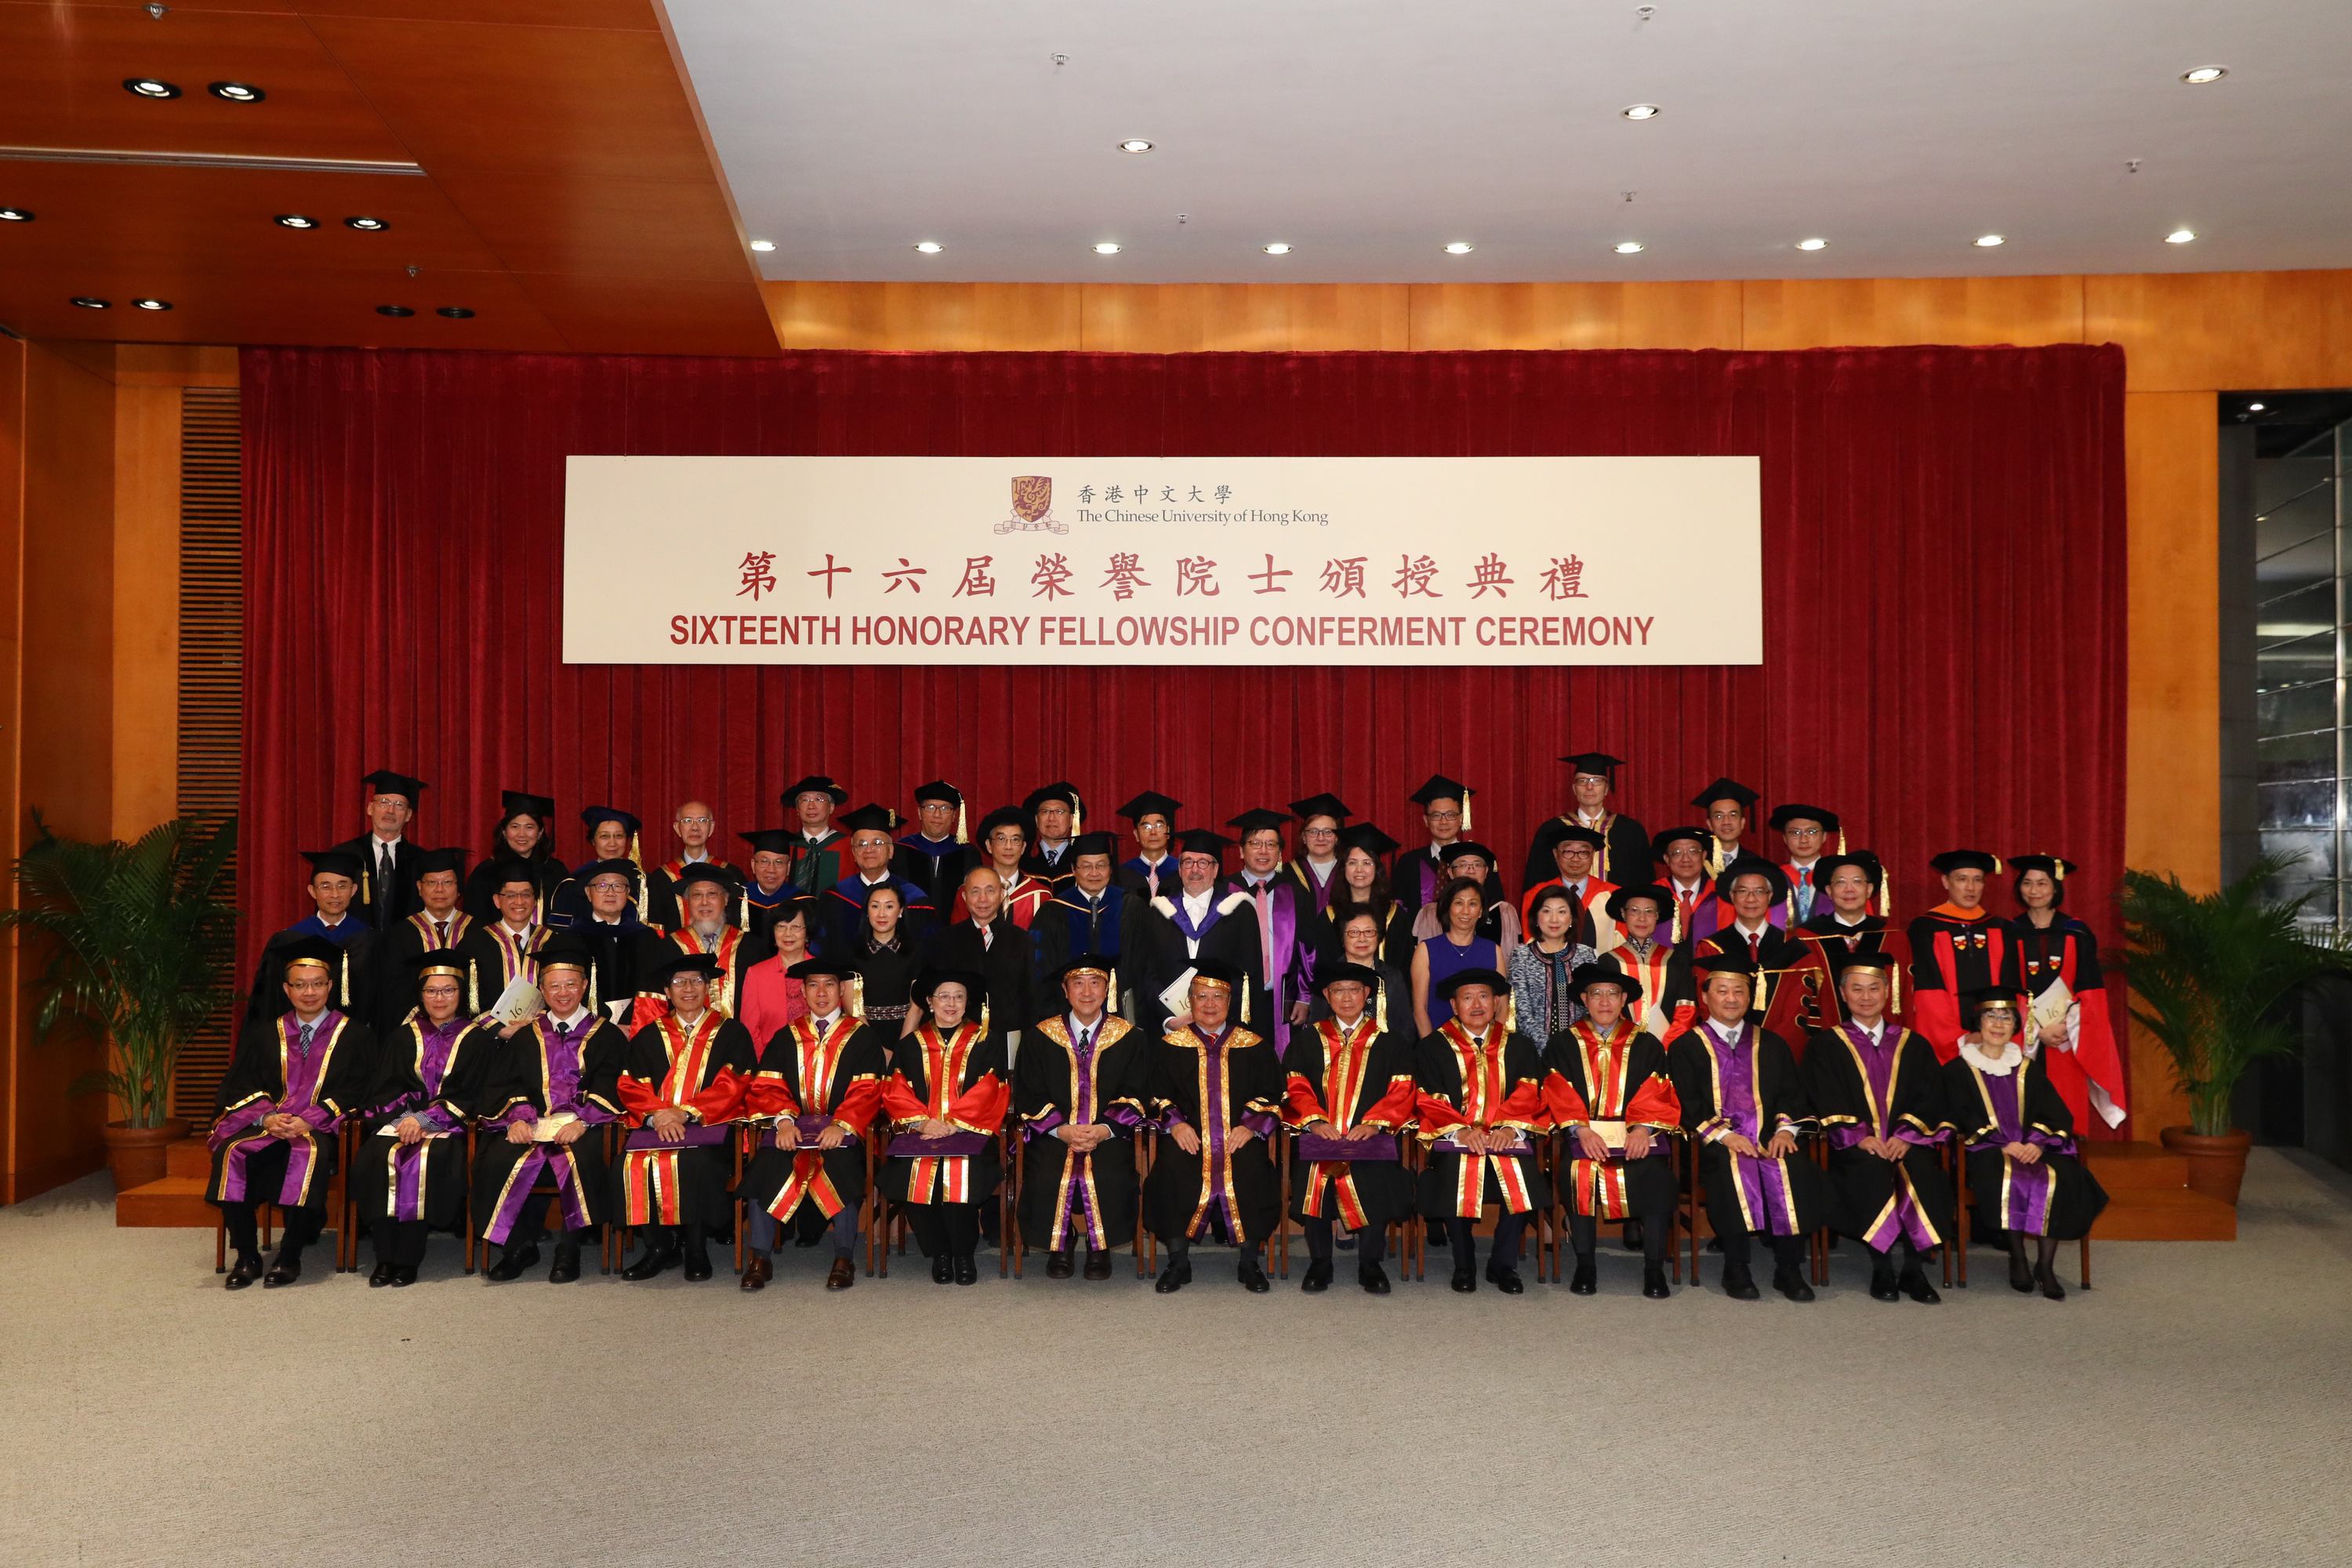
{"points": [[1242, 560]]}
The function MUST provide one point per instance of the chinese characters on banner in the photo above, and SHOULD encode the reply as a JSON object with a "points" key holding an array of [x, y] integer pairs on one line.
{"points": [[1148, 560]]}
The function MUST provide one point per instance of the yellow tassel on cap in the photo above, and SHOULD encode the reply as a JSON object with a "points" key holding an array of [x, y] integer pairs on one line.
{"points": [[963, 835], [1465, 810], [1841, 840], [1077, 815], [857, 995], [2057, 869]]}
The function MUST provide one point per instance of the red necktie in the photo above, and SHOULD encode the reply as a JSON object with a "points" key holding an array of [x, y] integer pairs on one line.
{"points": [[1756, 949]]}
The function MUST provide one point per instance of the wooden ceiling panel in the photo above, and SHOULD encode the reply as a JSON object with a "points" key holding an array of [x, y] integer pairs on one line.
{"points": [[291, 307], [652, 316], [65, 66], [591, 223]]}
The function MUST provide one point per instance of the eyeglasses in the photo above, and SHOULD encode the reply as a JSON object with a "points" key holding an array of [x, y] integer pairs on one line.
{"points": [[1804, 833], [695, 821], [1442, 815], [382, 800], [1320, 833]]}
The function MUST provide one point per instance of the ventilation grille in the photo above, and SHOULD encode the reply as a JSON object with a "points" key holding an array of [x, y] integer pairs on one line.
{"points": [[212, 670]]}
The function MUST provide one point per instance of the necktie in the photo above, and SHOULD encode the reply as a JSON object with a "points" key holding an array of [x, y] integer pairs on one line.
{"points": [[440, 933], [987, 938], [384, 876], [1756, 949], [305, 1045]]}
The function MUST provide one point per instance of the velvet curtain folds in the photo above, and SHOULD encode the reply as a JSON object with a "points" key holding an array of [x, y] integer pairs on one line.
{"points": [[1943, 598]]}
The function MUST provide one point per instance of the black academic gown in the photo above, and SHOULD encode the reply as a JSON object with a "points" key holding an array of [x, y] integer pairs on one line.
{"points": [[1007, 963], [395, 983], [519, 1075], [1437, 1076], [1180, 1196], [1161, 954], [1322, 1097], [939, 870], [1837, 1088], [495, 968], [453, 1096], [616, 956], [852, 1093], [1625, 858], [1045, 1097], [479, 896], [1649, 1181], [818, 865], [2072, 1195], [257, 1072], [382, 902], [705, 1170], [662, 909], [1772, 1101], [1065, 927], [357, 967]]}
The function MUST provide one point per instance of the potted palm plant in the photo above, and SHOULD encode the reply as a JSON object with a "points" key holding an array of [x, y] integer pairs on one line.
{"points": [[2209, 971], [141, 946]]}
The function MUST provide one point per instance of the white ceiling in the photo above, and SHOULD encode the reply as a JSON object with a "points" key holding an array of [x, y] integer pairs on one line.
{"points": [[1369, 133]]}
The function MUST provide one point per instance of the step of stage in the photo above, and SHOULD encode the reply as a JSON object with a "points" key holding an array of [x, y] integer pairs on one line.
{"points": [[170, 1201], [188, 1157], [2136, 1167]]}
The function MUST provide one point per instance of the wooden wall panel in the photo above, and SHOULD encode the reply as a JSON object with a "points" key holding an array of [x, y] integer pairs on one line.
{"points": [[1804, 313], [146, 607], [950, 317], [13, 1014], [2203, 331], [1575, 315]]}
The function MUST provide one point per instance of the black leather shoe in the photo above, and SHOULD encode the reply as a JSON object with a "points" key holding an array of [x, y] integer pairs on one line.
{"points": [[651, 1261], [1098, 1265], [1653, 1284], [567, 1265], [967, 1270], [1252, 1274], [698, 1266], [1465, 1280], [1584, 1281], [1506, 1280], [404, 1275], [383, 1275], [285, 1271], [1740, 1285], [1791, 1284], [244, 1271], [1173, 1278], [942, 1269], [1058, 1265], [2050, 1286], [1372, 1277], [2020, 1274], [1318, 1276], [1883, 1288], [1915, 1285], [511, 1262]]}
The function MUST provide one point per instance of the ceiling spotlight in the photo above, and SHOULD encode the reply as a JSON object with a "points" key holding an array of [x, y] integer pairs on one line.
{"points": [[236, 92], [1135, 145], [296, 220], [1276, 249], [393, 310], [2204, 74], [455, 313], [1641, 111], [2180, 236], [1987, 241], [1629, 248], [366, 225], [152, 304], [2256, 407], [1107, 248], [15, 215], [148, 86], [1812, 245], [86, 303], [1459, 247], [929, 247], [763, 246]]}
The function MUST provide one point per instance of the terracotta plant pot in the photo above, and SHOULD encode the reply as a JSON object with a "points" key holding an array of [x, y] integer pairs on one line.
{"points": [[137, 1155], [2216, 1165]]}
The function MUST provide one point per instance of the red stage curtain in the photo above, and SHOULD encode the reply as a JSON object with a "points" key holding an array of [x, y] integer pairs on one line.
{"points": [[1943, 597]]}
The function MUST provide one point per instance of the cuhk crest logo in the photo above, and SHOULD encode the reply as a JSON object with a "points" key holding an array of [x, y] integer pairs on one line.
{"points": [[1032, 506]]}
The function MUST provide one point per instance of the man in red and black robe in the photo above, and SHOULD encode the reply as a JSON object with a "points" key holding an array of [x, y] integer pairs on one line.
{"points": [[1605, 1087], [682, 1087], [1349, 1093], [1479, 1100], [818, 1087], [1957, 947]]}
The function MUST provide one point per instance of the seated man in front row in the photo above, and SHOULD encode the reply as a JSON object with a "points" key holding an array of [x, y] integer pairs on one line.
{"points": [[1215, 1091], [1606, 1089], [682, 1087], [819, 1086], [1479, 1100], [289, 1086], [1079, 1084], [1349, 1092], [551, 1080], [1740, 1100]]}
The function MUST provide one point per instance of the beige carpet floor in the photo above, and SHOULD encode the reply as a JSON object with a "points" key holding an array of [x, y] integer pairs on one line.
{"points": [[2191, 1409]]}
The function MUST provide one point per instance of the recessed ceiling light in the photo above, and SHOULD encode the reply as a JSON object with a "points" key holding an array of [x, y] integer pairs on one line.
{"points": [[148, 86], [1629, 248], [393, 310], [2204, 74], [1812, 245], [366, 225], [88, 303], [1135, 145], [152, 304], [236, 92], [1987, 241], [763, 246], [2180, 236], [296, 220], [2256, 408], [1107, 248], [455, 313], [1641, 111], [15, 215], [1277, 248], [1458, 248], [929, 247]]}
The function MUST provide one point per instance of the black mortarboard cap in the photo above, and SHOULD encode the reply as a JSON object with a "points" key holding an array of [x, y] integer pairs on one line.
{"points": [[1661, 842], [511, 868], [815, 784], [1365, 836], [1202, 841], [813, 966], [1218, 970], [975, 988], [335, 863], [771, 840], [1440, 787], [703, 871], [1257, 818], [1952, 860], [428, 861], [1752, 865], [1599, 762], [1864, 860], [1726, 789], [1602, 972], [1067, 793], [868, 818], [1577, 832], [1784, 815], [596, 817], [514, 803], [1323, 804], [1450, 983], [384, 781], [1151, 803], [678, 964], [564, 950], [1461, 847], [1096, 843], [1329, 974], [285, 951], [940, 790], [2057, 868]]}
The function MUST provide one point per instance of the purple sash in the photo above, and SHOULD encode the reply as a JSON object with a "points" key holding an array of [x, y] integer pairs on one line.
{"points": [[1760, 1183], [955, 1146], [2026, 1190], [1322, 1146], [694, 1135]]}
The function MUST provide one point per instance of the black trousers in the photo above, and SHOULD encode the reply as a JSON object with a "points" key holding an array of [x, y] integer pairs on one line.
{"points": [[1503, 1253], [399, 1241], [1788, 1251], [298, 1229], [1371, 1241], [952, 1228], [1649, 1198], [689, 1239]]}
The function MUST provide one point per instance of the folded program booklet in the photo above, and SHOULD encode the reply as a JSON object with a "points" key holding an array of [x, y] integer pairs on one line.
{"points": [[517, 1004], [547, 1127]]}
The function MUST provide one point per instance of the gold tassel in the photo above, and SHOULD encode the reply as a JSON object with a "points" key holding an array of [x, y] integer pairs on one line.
{"points": [[347, 980], [592, 986], [1893, 982], [1465, 812], [1077, 814], [1245, 991], [963, 835], [634, 859], [857, 995], [2057, 869], [1379, 1007], [473, 991], [983, 1013], [1997, 867]]}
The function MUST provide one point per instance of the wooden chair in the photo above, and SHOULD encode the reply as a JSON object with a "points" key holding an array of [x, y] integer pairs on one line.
{"points": [[1010, 1247]]}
